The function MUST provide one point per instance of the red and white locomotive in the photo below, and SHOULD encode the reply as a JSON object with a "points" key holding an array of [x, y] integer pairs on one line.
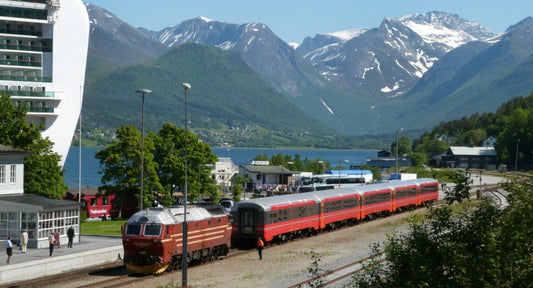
{"points": [[280, 218], [153, 238]]}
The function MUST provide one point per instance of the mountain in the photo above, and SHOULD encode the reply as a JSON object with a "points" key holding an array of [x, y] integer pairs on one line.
{"points": [[387, 61], [277, 64], [226, 97], [114, 43], [434, 66], [487, 73]]}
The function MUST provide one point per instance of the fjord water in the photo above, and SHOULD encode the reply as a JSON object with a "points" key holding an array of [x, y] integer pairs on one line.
{"points": [[240, 156]]}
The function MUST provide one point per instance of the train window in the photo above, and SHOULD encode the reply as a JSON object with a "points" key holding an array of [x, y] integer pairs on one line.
{"points": [[133, 229], [152, 229]]}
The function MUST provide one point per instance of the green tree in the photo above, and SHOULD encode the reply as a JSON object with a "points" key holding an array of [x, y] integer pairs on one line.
{"points": [[404, 146], [516, 125], [169, 152], [474, 244], [42, 173], [238, 181], [120, 165]]}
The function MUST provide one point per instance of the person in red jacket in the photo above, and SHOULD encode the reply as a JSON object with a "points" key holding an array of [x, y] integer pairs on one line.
{"points": [[260, 246]]}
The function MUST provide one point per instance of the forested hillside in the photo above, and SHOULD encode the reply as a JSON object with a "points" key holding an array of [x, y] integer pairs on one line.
{"points": [[510, 124]]}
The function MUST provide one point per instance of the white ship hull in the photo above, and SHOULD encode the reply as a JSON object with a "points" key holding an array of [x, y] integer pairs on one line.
{"points": [[43, 54]]}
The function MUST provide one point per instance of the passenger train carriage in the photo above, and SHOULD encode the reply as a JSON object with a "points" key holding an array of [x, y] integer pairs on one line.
{"points": [[153, 238], [280, 218]]}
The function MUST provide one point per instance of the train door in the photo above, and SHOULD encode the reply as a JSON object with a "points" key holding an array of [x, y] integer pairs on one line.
{"points": [[247, 225]]}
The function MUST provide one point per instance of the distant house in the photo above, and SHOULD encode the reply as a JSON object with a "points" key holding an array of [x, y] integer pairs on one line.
{"points": [[387, 160], [489, 142], [223, 172], [262, 174], [39, 215], [470, 158]]}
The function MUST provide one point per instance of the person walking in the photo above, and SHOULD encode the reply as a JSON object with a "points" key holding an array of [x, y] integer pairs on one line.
{"points": [[70, 235], [51, 241], [260, 246], [24, 240], [9, 249]]}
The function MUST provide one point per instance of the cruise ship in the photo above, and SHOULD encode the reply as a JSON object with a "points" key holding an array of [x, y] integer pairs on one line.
{"points": [[43, 53]]}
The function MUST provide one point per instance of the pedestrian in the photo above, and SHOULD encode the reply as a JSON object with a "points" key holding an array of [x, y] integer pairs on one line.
{"points": [[70, 235], [260, 246], [9, 249], [51, 241], [24, 240]]}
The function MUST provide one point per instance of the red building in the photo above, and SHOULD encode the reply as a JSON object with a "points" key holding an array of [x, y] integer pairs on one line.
{"points": [[99, 205]]}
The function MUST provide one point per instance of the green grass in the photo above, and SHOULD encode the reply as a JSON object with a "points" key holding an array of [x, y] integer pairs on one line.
{"points": [[107, 228]]}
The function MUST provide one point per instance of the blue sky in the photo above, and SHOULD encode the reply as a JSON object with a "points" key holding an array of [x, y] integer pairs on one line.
{"points": [[293, 20]]}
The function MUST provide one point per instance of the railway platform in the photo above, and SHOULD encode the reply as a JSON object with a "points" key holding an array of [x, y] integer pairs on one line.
{"points": [[35, 263]]}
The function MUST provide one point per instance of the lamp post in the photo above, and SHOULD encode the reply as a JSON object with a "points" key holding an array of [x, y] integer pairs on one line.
{"points": [[185, 86], [142, 91], [516, 156], [396, 166]]}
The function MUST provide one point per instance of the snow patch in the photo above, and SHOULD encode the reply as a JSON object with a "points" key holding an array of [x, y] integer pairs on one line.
{"points": [[346, 35], [205, 19], [386, 89], [327, 107]]}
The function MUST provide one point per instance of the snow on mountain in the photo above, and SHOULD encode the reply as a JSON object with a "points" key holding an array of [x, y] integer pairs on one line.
{"points": [[346, 35], [444, 28]]}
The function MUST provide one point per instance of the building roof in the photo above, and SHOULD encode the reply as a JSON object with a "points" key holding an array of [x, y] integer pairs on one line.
{"points": [[267, 169], [473, 151], [35, 202], [9, 150], [85, 191]]}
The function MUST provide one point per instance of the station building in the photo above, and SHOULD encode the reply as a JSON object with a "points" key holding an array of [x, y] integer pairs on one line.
{"points": [[38, 215]]}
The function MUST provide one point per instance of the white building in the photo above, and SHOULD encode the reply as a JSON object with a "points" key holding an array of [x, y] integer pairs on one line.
{"points": [[223, 173], [43, 53], [38, 215]]}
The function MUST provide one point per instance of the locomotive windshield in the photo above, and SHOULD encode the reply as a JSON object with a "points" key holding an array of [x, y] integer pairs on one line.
{"points": [[152, 229], [133, 229]]}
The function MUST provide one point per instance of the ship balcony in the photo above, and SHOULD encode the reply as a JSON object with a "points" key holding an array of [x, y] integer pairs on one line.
{"points": [[23, 63], [20, 47], [35, 11], [37, 110], [35, 1], [23, 94], [9, 77], [24, 32]]}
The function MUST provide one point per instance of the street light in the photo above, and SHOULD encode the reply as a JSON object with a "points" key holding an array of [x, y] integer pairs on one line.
{"points": [[142, 91], [516, 159], [396, 167], [185, 86]]}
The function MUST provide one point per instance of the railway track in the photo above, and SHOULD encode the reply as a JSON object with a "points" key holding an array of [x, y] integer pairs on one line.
{"points": [[109, 275]]}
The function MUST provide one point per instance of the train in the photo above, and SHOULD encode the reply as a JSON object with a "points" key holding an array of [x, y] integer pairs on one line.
{"points": [[282, 218], [152, 238]]}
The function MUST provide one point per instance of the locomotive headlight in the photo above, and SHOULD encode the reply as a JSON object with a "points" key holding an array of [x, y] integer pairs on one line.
{"points": [[156, 240]]}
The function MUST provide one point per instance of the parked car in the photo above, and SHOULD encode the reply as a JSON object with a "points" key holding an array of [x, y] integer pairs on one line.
{"points": [[226, 203]]}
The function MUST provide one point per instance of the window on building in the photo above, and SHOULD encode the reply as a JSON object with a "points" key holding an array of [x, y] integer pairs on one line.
{"points": [[93, 201], [105, 201], [2, 174], [13, 174]]}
